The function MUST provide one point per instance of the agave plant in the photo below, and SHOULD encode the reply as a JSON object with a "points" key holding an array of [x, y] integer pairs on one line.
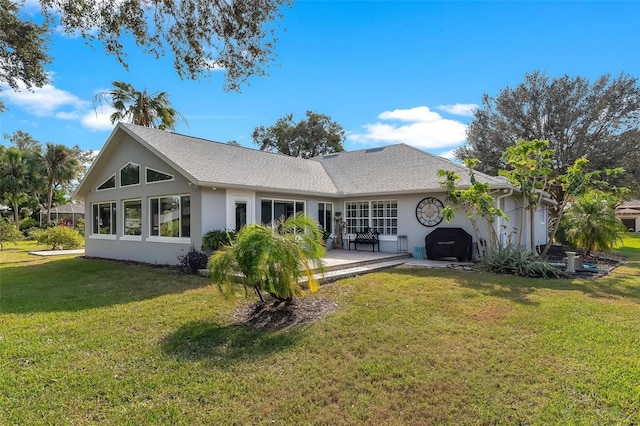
{"points": [[271, 258]]}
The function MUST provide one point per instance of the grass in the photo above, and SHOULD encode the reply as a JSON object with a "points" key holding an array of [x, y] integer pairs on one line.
{"points": [[85, 341]]}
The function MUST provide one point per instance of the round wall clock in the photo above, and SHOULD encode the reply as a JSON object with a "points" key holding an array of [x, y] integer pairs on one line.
{"points": [[429, 211]]}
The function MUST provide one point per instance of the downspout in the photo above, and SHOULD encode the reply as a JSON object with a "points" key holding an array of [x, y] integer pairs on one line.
{"points": [[498, 225]]}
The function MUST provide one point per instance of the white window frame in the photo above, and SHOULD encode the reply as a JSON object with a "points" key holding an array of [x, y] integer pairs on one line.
{"points": [[113, 205], [165, 239], [146, 181], [115, 183], [120, 175], [355, 220], [124, 236], [282, 200], [327, 226]]}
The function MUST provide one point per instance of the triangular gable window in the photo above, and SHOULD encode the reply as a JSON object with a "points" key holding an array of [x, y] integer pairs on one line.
{"points": [[130, 174], [157, 176], [108, 184]]}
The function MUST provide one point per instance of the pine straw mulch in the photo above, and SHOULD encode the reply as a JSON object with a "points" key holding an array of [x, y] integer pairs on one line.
{"points": [[276, 315]]}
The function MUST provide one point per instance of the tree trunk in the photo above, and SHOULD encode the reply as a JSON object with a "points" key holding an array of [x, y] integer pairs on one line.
{"points": [[16, 213], [49, 202], [532, 227], [259, 293]]}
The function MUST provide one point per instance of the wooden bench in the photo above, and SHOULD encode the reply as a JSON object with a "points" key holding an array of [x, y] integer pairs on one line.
{"points": [[366, 237]]}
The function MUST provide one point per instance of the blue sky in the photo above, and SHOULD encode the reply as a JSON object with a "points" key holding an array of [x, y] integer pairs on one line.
{"points": [[387, 72]]}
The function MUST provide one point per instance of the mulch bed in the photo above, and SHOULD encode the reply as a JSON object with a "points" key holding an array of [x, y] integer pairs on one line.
{"points": [[275, 315], [601, 260]]}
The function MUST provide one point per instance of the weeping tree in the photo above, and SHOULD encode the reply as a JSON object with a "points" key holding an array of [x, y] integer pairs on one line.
{"points": [[271, 258]]}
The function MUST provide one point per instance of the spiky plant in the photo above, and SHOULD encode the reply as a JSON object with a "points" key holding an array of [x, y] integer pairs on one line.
{"points": [[271, 258]]}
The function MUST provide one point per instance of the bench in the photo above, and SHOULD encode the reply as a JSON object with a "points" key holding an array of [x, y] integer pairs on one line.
{"points": [[366, 237]]}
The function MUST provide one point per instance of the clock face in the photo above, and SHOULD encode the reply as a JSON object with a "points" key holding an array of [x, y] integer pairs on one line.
{"points": [[429, 211]]}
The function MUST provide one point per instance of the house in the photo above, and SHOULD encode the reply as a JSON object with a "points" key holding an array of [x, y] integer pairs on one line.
{"points": [[67, 213], [629, 213], [151, 194]]}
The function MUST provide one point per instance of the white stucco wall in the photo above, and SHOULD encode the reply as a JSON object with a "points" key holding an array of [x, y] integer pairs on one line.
{"points": [[144, 248]]}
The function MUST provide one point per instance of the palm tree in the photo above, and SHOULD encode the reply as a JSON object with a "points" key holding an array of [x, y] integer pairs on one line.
{"points": [[60, 167], [18, 176], [142, 108], [271, 258], [591, 222]]}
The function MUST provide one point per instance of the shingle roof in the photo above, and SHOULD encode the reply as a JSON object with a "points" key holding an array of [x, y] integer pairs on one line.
{"points": [[394, 168], [390, 169], [214, 163]]}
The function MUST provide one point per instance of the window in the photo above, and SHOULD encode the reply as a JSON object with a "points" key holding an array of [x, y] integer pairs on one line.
{"points": [[357, 216], [108, 184], [104, 218], [157, 176], [380, 216], [132, 217], [384, 217], [130, 174], [170, 216], [325, 216], [276, 209]]}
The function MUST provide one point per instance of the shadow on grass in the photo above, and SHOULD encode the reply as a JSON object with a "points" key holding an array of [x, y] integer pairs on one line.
{"points": [[201, 340], [74, 284], [520, 289]]}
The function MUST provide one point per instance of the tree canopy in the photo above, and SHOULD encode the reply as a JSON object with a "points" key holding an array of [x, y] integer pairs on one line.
{"points": [[202, 35], [598, 121], [310, 137]]}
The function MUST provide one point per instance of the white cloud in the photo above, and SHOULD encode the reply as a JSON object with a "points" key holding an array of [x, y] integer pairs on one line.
{"points": [[98, 119], [49, 101], [43, 101], [459, 109], [448, 154], [419, 127]]}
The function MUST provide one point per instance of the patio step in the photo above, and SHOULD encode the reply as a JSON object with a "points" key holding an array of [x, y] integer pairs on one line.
{"points": [[403, 257], [338, 272]]}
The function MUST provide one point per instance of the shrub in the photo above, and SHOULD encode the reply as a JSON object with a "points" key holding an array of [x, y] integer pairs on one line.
{"points": [[80, 225], [59, 238], [193, 260], [517, 260], [591, 222], [213, 240], [9, 233], [26, 224]]}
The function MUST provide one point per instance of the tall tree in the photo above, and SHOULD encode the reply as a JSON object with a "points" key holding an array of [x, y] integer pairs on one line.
{"points": [[24, 142], [61, 166], [202, 35], [598, 121], [142, 108], [22, 49], [18, 175], [529, 170], [313, 136]]}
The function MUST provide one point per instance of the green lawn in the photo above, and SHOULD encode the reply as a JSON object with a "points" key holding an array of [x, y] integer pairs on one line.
{"points": [[98, 342]]}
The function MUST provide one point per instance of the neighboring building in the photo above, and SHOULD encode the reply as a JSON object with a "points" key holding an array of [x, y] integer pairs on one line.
{"points": [[65, 214], [152, 194], [629, 213]]}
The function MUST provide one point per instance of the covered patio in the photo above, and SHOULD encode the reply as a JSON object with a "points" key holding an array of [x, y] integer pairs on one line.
{"points": [[67, 213]]}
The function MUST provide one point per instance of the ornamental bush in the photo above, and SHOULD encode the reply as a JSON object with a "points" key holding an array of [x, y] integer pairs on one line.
{"points": [[9, 233], [60, 238], [517, 260], [193, 260], [213, 240]]}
